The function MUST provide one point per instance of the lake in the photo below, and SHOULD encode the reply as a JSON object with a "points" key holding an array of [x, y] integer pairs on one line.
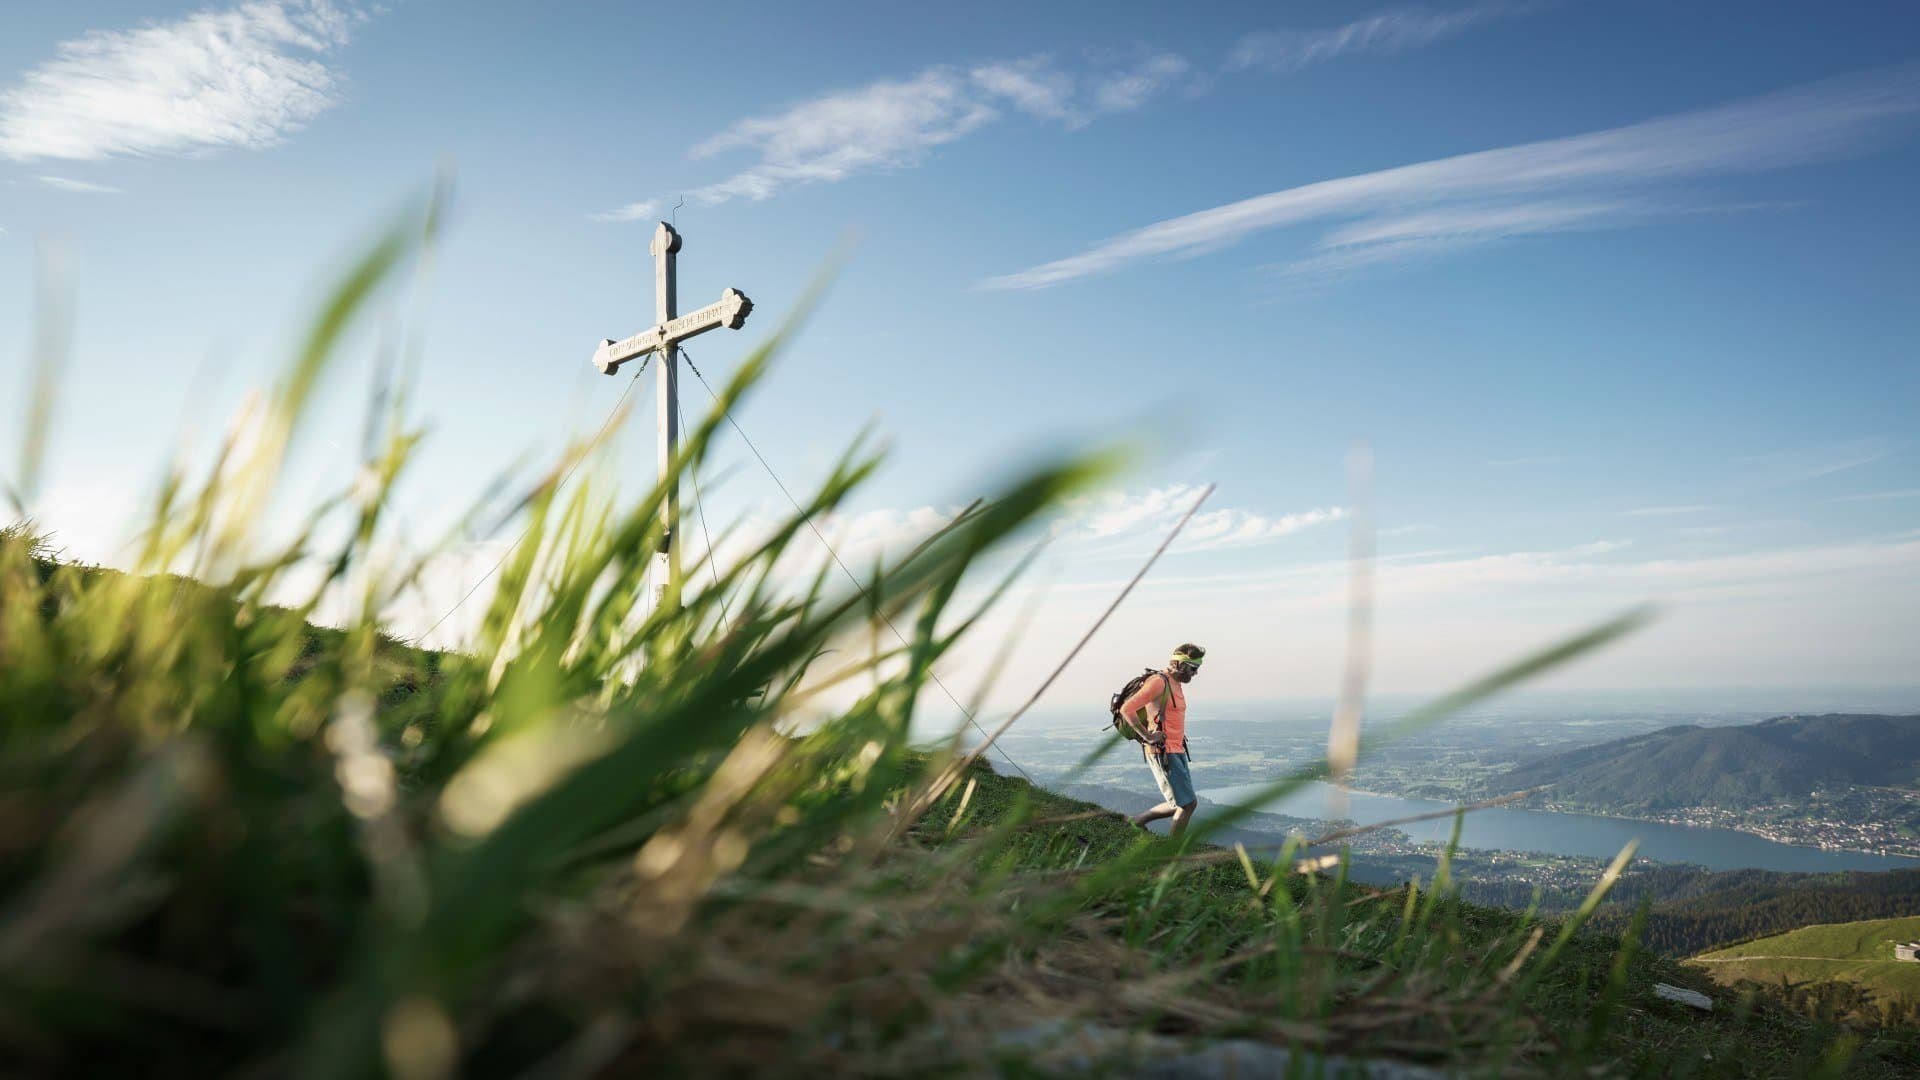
{"points": [[1508, 829]]}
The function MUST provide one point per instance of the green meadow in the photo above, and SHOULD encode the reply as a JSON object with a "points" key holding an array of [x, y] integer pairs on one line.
{"points": [[1854, 952]]}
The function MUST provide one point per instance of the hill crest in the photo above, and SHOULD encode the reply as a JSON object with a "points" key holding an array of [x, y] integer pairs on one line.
{"points": [[1776, 760]]}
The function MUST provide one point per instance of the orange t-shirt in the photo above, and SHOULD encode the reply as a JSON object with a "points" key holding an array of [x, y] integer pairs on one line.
{"points": [[1174, 720]]}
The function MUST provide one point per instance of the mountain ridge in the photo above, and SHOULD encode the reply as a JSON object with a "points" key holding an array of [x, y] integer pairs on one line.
{"points": [[1735, 768]]}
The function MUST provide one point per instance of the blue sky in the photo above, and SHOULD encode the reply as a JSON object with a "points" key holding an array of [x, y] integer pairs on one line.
{"points": [[1620, 296]]}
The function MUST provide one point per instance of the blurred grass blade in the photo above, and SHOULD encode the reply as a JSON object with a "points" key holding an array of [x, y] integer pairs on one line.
{"points": [[52, 338]]}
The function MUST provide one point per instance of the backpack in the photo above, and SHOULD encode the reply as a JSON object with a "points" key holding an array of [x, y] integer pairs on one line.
{"points": [[1113, 706]]}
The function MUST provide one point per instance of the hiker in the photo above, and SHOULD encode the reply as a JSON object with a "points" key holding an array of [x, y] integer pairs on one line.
{"points": [[1157, 711]]}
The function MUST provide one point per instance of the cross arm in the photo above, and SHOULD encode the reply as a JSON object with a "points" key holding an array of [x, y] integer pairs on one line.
{"points": [[730, 312]]}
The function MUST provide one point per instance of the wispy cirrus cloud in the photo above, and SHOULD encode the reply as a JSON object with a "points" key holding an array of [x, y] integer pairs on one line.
{"points": [[1668, 511], [240, 77], [1879, 496], [1500, 219], [1577, 181], [897, 123], [1389, 31], [1391, 239], [636, 211], [1130, 87], [83, 187], [1814, 462], [1114, 517], [1397, 240], [885, 124], [1729, 615]]}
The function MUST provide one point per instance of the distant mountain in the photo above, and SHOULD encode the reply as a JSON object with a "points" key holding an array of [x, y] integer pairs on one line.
{"points": [[1735, 768]]}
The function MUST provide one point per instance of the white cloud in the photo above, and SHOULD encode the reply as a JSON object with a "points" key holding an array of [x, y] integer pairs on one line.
{"points": [[1115, 521], [1386, 32], [1033, 85], [1496, 219], [1814, 462], [1879, 496], [1721, 577], [244, 77], [1565, 574], [1810, 123], [1833, 613], [882, 534], [1127, 90], [63, 183], [1235, 528], [1851, 462], [886, 124], [1409, 237], [1667, 511], [638, 211], [1115, 516], [896, 123]]}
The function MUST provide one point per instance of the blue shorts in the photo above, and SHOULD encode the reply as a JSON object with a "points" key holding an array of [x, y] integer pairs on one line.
{"points": [[1170, 772]]}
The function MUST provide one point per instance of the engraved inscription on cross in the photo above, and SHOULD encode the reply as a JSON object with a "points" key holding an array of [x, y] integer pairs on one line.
{"points": [[664, 337], [730, 311]]}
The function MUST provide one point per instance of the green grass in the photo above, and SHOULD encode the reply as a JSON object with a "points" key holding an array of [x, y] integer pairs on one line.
{"points": [[1854, 952], [1594, 1008], [602, 839]]}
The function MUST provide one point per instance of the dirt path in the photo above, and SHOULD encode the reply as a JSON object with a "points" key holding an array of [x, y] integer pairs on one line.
{"points": [[1831, 959]]}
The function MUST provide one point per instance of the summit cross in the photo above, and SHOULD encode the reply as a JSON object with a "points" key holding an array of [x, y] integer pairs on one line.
{"points": [[664, 337]]}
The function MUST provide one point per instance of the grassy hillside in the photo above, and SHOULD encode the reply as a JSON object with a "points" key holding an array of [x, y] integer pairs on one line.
{"points": [[1867, 940], [1736, 768], [1597, 1008], [1857, 952]]}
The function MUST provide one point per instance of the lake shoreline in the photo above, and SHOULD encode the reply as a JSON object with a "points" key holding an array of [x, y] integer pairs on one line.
{"points": [[1563, 831], [1571, 808], [1751, 830]]}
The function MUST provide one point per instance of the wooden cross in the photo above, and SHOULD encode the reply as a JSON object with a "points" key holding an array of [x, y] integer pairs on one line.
{"points": [[664, 338]]}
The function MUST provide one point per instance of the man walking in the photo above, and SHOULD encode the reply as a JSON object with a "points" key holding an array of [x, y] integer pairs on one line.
{"points": [[1158, 712]]}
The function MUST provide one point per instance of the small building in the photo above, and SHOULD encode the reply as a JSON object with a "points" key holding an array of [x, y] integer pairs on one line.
{"points": [[1909, 950]]}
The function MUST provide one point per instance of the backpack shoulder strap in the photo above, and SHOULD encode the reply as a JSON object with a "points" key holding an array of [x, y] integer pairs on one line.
{"points": [[1166, 693]]}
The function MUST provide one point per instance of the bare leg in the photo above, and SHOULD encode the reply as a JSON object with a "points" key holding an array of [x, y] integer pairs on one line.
{"points": [[1181, 816], [1158, 813]]}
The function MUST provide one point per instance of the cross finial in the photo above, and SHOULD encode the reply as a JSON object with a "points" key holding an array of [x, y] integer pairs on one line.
{"points": [[666, 240]]}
